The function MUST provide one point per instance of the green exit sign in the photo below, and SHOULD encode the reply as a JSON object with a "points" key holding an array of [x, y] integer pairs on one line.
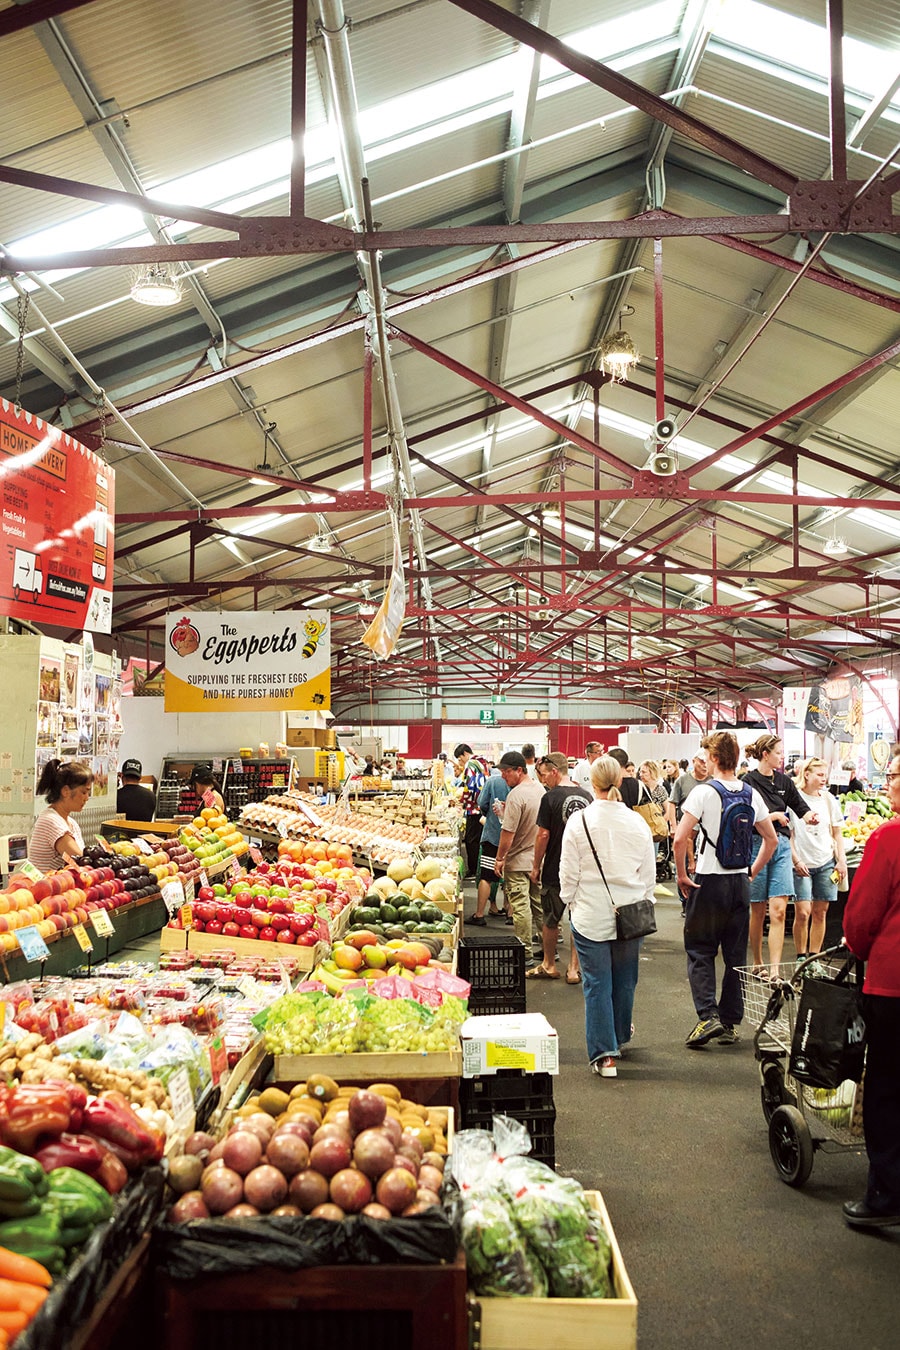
{"points": [[486, 717], [498, 698]]}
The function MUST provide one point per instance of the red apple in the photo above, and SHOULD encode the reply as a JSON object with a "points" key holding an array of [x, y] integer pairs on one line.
{"points": [[231, 929], [285, 935], [247, 930], [214, 926]]}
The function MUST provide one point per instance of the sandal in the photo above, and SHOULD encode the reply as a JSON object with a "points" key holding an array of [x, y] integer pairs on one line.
{"points": [[494, 911], [540, 973], [573, 978]]}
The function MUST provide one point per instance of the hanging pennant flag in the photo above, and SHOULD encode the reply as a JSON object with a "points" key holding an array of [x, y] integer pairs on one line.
{"points": [[383, 633]]}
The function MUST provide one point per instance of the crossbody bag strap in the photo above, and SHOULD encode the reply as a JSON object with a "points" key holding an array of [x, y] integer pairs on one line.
{"points": [[597, 859]]}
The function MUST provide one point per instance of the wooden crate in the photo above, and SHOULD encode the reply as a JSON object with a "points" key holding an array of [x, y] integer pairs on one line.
{"points": [[576, 1323], [363, 1068], [173, 940], [370, 1307]]}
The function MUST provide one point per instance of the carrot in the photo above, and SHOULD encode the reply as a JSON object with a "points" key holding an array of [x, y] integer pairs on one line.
{"points": [[18, 1297], [22, 1268], [14, 1322]]}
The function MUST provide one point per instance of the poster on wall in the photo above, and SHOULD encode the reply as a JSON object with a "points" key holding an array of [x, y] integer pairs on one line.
{"points": [[835, 710], [235, 662], [57, 506]]}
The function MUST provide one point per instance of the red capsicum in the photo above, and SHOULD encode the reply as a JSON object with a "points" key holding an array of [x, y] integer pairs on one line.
{"points": [[77, 1102], [112, 1173], [78, 1151], [31, 1110], [111, 1119]]}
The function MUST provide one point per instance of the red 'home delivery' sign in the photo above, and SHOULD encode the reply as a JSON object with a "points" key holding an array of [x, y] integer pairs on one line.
{"points": [[56, 526]]}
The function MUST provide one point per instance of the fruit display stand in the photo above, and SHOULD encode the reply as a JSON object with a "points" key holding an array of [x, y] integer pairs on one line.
{"points": [[402, 1066], [409, 1307], [130, 922], [114, 830], [576, 1323], [181, 939]]}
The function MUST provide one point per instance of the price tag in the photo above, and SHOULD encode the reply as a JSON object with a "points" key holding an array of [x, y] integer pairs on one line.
{"points": [[179, 1086], [101, 923], [186, 915], [854, 812], [80, 934], [285, 978], [237, 766], [143, 846], [204, 879], [189, 891], [235, 868], [255, 855], [34, 948], [172, 893], [278, 780], [310, 814], [3, 1007], [282, 828], [218, 1059], [208, 798], [29, 870]]}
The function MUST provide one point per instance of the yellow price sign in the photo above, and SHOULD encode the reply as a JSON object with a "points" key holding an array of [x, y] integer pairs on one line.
{"points": [[186, 914], [80, 934]]}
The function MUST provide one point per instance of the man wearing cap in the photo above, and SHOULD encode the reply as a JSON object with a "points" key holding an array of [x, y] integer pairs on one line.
{"points": [[561, 800], [137, 802], [581, 774], [515, 852]]}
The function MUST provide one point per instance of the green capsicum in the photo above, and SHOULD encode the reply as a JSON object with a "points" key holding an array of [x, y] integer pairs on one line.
{"points": [[77, 1199], [38, 1237], [21, 1178]]}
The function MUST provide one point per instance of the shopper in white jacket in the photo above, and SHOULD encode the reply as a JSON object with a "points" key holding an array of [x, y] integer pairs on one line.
{"points": [[609, 967]]}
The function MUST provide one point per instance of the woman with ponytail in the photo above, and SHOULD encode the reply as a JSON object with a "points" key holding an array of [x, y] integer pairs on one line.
{"points": [[66, 786]]}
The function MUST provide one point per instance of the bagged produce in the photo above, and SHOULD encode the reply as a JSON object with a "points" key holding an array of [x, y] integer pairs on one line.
{"points": [[526, 1230]]}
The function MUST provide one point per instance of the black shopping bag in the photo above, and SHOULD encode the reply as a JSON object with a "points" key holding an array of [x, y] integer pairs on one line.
{"points": [[829, 1041]]}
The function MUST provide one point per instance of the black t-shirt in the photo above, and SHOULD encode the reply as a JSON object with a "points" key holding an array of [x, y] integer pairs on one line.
{"points": [[556, 807], [778, 792], [136, 801]]}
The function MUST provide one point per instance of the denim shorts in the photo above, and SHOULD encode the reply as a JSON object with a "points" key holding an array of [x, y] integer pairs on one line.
{"points": [[777, 877], [818, 885]]}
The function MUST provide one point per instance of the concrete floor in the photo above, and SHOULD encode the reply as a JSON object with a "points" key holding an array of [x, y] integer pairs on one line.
{"points": [[720, 1251]]}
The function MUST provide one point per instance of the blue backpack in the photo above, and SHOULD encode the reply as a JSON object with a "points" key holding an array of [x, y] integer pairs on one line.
{"points": [[734, 846]]}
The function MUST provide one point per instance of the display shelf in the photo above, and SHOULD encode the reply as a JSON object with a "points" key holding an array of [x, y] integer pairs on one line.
{"points": [[185, 939], [577, 1323], [131, 922], [252, 780]]}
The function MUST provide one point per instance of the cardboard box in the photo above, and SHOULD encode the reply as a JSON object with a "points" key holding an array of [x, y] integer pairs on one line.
{"points": [[577, 1323], [311, 717], [509, 1041], [311, 737]]}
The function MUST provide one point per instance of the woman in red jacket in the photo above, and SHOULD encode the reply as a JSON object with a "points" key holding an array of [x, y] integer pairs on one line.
{"points": [[872, 932]]}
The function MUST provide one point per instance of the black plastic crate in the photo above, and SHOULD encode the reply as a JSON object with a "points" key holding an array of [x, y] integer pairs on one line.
{"points": [[488, 1003], [493, 965], [508, 1091], [540, 1124]]}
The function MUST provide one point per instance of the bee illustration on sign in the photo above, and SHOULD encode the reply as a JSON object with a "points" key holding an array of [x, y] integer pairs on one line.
{"points": [[313, 630]]}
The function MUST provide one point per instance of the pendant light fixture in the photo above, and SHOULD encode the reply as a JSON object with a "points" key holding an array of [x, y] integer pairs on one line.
{"points": [[153, 285], [618, 354]]}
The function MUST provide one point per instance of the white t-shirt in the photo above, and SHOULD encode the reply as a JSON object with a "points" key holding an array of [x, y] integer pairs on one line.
{"points": [[814, 844], [581, 775], [704, 803], [48, 828]]}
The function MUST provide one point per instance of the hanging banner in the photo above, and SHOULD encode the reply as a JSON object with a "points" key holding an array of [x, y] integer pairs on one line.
{"points": [[57, 506], [795, 702], [836, 710], [383, 633], [231, 662]]}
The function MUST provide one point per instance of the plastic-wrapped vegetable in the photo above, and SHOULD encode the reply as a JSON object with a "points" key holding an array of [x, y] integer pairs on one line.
{"points": [[498, 1258], [565, 1233]]}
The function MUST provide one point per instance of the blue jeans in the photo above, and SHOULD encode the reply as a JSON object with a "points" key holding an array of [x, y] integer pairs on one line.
{"points": [[717, 915], [818, 885], [609, 974], [777, 877]]}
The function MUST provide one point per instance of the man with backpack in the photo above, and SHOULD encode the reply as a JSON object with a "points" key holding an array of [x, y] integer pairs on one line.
{"points": [[726, 812]]}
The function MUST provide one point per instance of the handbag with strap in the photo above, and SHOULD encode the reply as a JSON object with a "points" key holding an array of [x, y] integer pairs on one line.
{"points": [[635, 920], [651, 812]]}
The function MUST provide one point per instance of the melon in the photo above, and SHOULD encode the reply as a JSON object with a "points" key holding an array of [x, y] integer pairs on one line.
{"points": [[429, 869], [399, 869], [414, 889]]}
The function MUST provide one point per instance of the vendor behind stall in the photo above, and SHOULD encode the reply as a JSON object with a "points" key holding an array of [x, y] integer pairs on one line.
{"points": [[66, 787], [203, 782], [133, 799]]}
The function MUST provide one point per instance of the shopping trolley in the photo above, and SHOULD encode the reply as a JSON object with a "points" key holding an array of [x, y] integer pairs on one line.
{"points": [[801, 1119]]}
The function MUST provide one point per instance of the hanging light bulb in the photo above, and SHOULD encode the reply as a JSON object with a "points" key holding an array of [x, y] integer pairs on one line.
{"points": [[154, 286], [618, 354], [835, 546], [320, 543]]}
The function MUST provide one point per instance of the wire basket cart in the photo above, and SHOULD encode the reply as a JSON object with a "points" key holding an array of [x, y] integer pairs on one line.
{"points": [[801, 1119]]}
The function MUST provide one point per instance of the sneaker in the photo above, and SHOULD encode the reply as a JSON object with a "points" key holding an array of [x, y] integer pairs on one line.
{"points": [[479, 922], [707, 1029], [509, 921], [729, 1036], [604, 1068]]}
